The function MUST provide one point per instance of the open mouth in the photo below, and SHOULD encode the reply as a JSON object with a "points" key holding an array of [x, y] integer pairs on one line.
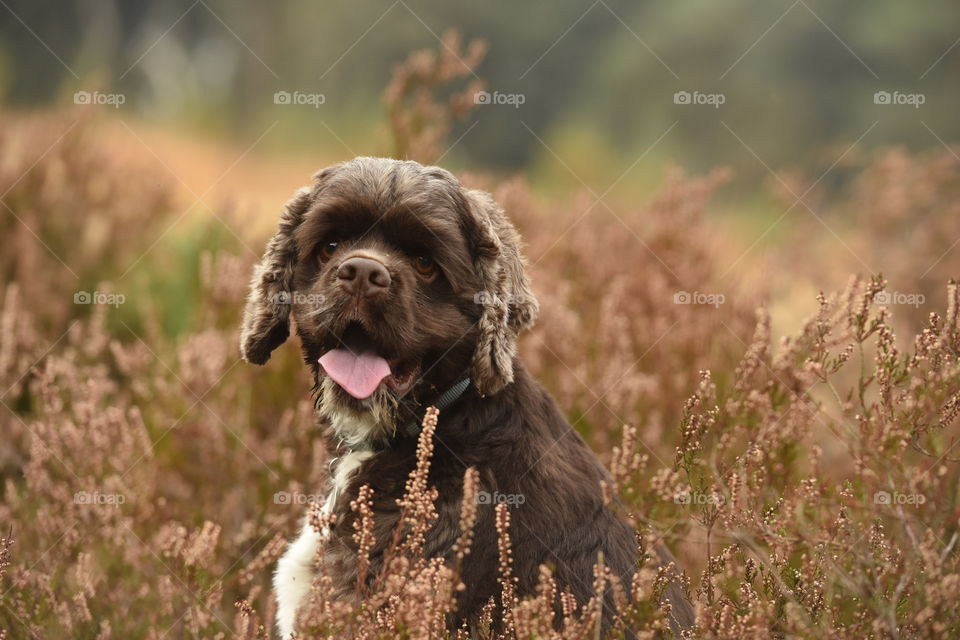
{"points": [[357, 365]]}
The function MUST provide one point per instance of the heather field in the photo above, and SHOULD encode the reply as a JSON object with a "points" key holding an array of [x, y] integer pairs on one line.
{"points": [[773, 382]]}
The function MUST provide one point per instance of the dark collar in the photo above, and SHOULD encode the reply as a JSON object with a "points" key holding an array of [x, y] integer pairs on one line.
{"points": [[446, 399]]}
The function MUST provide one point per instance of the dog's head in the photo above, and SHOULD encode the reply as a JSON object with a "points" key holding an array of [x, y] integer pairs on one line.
{"points": [[399, 281]]}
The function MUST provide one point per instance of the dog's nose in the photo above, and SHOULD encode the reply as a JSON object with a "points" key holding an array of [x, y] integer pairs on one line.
{"points": [[363, 275]]}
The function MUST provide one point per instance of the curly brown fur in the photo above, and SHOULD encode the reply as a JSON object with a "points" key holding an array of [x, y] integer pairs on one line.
{"points": [[461, 318]]}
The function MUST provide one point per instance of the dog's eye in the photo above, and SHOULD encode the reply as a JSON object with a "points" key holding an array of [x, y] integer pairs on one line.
{"points": [[327, 250], [425, 266]]}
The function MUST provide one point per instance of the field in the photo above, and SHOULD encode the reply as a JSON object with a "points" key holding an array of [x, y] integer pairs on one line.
{"points": [[774, 410]]}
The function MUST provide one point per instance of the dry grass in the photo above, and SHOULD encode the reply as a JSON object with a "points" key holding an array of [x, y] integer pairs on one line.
{"points": [[808, 487]]}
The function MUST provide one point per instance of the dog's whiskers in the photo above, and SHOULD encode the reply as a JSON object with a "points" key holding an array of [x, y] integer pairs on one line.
{"points": [[318, 311]]}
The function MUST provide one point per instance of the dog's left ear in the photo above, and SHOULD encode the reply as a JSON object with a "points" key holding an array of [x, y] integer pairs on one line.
{"points": [[509, 305]]}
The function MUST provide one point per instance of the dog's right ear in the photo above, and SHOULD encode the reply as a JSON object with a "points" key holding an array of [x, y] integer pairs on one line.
{"points": [[266, 319]]}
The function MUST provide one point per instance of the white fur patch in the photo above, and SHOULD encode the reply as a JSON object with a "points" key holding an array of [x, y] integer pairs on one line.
{"points": [[294, 574], [354, 429], [375, 420]]}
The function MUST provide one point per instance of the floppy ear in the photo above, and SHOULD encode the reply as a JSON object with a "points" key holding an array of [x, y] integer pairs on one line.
{"points": [[266, 319], [507, 300]]}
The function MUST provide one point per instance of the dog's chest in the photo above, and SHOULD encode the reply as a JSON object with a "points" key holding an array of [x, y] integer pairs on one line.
{"points": [[344, 469]]}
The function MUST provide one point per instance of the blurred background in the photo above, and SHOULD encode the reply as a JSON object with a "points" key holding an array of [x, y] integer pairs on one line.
{"points": [[598, 78], [242, 101], [679, 171]]}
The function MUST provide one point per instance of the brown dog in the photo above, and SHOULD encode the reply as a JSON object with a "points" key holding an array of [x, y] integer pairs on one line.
{"points": [[409, 290]]}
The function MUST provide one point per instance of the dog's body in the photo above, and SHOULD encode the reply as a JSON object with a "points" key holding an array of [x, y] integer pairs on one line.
{"points": [[401, 283]]}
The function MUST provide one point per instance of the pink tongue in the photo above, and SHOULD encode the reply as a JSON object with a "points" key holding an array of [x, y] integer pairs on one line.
{"points": [[358, 374]]}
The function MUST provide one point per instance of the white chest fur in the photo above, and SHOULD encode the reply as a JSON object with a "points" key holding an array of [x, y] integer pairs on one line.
{"points": [[291, 582]]}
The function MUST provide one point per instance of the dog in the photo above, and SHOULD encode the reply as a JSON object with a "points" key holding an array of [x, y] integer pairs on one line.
{"points": [[408, 290]]}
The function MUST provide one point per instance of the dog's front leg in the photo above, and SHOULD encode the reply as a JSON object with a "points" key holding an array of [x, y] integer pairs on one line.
{"points": [[296, 568], [293, 577]]}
